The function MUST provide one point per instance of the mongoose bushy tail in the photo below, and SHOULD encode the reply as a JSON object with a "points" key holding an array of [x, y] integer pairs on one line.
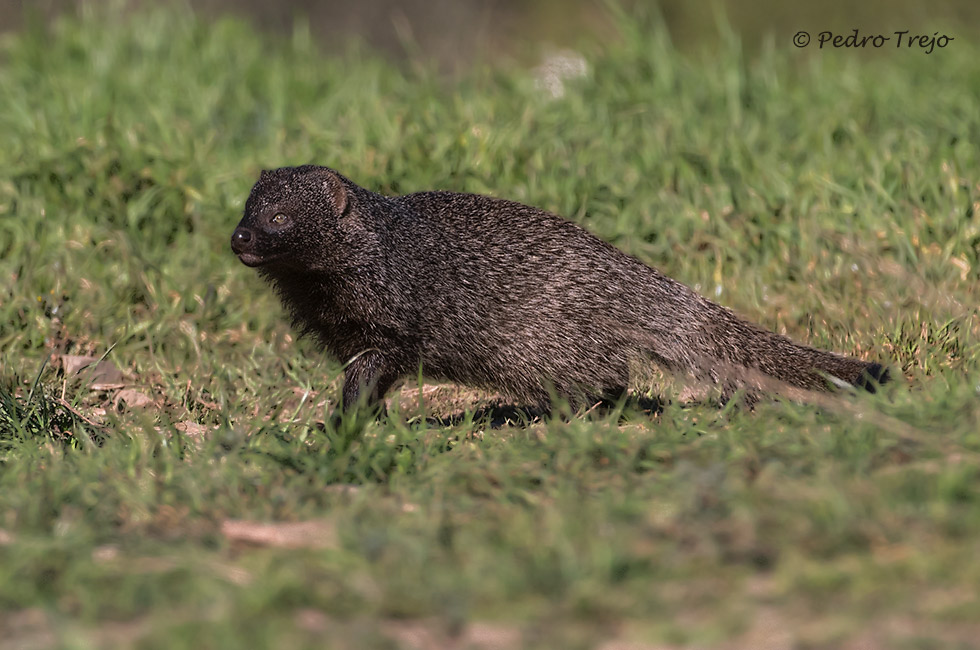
{"points": [[492, 293]]}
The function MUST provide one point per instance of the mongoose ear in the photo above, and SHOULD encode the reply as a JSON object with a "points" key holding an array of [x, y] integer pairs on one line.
{"points": [[265, 174], [334, 187]]}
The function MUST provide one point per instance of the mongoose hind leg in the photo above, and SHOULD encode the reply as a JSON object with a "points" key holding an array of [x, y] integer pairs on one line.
{"points": [[872, 376]]}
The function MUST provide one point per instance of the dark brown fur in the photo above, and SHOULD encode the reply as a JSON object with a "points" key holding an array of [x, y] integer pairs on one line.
{"points": [[488, 292]]}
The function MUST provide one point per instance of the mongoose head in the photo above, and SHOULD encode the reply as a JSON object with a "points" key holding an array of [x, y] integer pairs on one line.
{"points": [[291, 218]]}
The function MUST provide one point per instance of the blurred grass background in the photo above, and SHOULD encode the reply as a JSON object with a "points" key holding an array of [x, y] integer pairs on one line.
{"points": [[832, 196], [454, 34]]}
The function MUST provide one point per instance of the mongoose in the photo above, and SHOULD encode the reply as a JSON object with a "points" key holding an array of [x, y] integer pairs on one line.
{"points": [[491, 293]]}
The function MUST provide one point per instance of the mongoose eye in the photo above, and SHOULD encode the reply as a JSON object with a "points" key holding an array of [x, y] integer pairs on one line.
{"points": [[279, 218]]}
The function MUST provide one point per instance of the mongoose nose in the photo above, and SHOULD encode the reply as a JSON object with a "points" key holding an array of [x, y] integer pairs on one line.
{"points": [[240, 240]]}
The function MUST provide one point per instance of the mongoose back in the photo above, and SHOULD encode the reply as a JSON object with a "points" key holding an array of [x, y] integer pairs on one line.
{"points": [[492, 293]]}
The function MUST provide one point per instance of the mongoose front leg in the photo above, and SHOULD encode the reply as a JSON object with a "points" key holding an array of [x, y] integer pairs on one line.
{"points": [[367, 378]]}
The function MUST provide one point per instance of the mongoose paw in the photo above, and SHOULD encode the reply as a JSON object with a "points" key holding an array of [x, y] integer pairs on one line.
{"points": [[872, 376]]}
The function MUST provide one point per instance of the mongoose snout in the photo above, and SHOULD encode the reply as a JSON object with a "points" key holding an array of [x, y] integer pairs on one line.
{"points": [[241, 244]]}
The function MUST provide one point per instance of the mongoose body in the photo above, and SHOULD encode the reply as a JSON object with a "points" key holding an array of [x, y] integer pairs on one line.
{"points": [[492, 293]]}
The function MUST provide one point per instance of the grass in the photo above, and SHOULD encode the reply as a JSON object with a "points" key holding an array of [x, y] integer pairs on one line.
{"points": [[827, 195]]}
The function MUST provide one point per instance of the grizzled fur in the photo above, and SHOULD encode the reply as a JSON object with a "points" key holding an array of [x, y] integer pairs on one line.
{"points": [[488, 292]]}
